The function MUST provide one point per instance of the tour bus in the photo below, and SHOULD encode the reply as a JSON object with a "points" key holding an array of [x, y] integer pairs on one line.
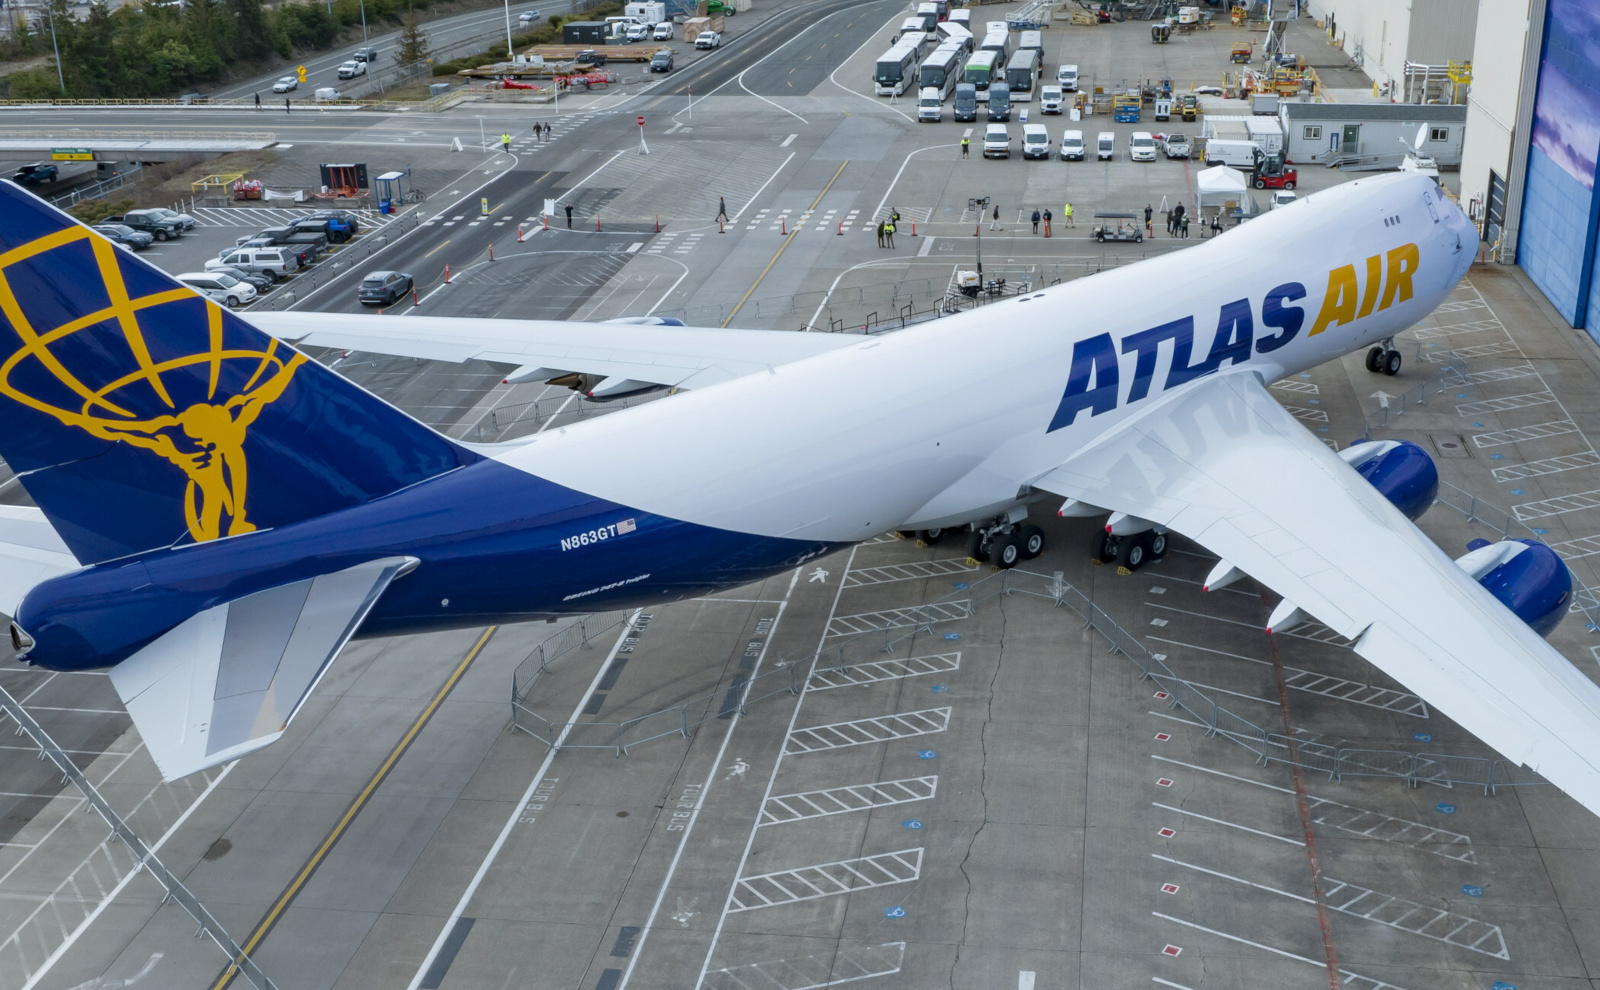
{"points": [[980, 73], [998, 42], [1021, 73], [897, 69], [911, 32], [1031, 40], [929, 12], [952, 33], [962, 17], [941, 70]]}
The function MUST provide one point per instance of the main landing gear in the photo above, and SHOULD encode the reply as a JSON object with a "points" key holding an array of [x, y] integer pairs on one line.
{"points": [[1130, 552], [1005, 544], [1384, 358]]}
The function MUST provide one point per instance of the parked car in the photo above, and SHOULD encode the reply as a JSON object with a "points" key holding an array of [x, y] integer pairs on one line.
{"points": [[1142, 147], [996, 142], [637, 32], [269, 260], [1283, 197], [257, 279], [125, 235], [150, 222], [708, 39], [663, 32], [36, 174], [1050, 99], [348, 217], [352, 68], [366, 55], [286, 84], [1035, 141], [184, 220], [383, 288], [1175, 146], [661, 61], [220, 287]]}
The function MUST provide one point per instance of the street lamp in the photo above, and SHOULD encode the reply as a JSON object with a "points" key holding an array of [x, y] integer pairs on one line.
{"points": [[50, 9], [483, 141], [363, 22], [511, 52]]}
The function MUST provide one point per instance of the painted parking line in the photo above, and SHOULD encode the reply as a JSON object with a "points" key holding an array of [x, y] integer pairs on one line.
{"points": [[784, 808], [858, 674], [1225, 822], [1351, 981], [1324, 685]]}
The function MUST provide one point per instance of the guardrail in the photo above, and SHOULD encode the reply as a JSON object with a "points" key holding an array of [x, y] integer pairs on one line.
{"points": [[97, 189]]}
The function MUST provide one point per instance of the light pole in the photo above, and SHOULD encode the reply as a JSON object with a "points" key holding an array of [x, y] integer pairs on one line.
{"points": [[50, 9], [363, 22], [483, 142], [981, 205], [511, 52]]}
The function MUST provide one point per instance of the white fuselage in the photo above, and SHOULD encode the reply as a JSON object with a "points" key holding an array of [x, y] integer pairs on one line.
{"points": [[947, 422]]}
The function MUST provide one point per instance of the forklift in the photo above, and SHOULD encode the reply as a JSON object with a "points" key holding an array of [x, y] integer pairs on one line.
{"points": [[1190, 107], [1271, 172]]}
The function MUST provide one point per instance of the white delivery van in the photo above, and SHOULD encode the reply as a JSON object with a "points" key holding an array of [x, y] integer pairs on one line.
{"points": [[326, 94], [930, 106], [1142, 147], [1067, 76], [1050, 99], [1105, 145], [996, 142], [1239, 154], [1035, 142], [637, 32], [1072, 146]]}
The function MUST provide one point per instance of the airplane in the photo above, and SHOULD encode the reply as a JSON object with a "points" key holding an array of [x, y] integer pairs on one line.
{"points": [[218, 514]]}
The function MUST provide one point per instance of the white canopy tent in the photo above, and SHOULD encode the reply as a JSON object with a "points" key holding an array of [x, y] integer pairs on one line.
{"points": [[1220, 185]]}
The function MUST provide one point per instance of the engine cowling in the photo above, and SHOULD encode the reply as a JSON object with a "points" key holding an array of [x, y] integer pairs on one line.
{"points": [[1400, 470], [1526, 576]]}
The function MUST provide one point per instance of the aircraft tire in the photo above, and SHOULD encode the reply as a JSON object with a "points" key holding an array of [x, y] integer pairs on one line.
{"points": [[1158, 546], [978, 547], [1032, 540], [1134, 553], [1008, 552], [1375, 360], [1391, 363], [1105, 547]]}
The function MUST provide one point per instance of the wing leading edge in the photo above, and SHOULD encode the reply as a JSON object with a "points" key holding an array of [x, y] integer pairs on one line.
{"points": [[678, 357], [1226, 465]]}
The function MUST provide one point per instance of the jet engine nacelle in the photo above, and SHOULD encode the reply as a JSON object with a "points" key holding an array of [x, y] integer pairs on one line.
{"points": [[1527, 576], [1400, 470]]}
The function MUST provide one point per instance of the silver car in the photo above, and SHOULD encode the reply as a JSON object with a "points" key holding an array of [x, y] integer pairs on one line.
{"points": [[285, 84]]}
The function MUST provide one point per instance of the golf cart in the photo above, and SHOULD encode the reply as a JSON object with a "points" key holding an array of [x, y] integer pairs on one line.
{"points": [[1128, 228]]}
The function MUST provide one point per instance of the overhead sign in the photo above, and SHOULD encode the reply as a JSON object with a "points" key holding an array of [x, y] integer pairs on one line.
{"points": [[72, 154]]}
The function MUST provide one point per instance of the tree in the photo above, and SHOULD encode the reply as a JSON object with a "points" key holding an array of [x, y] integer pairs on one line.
{"points": [[252, 38], [413, 48]]}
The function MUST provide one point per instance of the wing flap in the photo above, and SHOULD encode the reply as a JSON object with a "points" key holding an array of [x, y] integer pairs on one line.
{"points": [[1223, 463], [683, 357], [228, 680], [30, 552]]}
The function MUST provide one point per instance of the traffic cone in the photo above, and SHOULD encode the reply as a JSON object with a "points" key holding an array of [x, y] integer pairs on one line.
{"points": [[519, 233], [414, 296], [841, 228], [913, 228], [491, 252], [446, 274], [783, 226]]}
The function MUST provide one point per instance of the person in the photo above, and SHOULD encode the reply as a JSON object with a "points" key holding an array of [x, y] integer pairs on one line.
{"points": [[1066, 211], [544, 132], [1216, 223], [1177, 216], [1172, 222], [286, 105], [881, 241], [888, 232], [505, 142], [258, 101], [995, 224], [966, 146], [569, 216], [894, 214], [1149, 229], [1047, 216], [1183, 226], [722, 208], [1036, 218]]}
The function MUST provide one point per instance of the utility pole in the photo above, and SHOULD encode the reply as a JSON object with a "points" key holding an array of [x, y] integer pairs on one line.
{"points": [[511, 51], [62, 79], [363, 22], [982, 207]]}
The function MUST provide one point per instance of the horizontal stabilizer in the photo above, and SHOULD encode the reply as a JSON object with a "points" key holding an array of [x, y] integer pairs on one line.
{"points": [[30, 552], [228, 680]]}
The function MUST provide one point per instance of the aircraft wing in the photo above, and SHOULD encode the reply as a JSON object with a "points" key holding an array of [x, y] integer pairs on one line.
{"points": [[228, 680], [1224, 464], [680, 357], [30, 552]]}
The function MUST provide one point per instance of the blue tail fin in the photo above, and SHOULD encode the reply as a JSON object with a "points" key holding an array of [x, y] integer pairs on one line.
{"points": [[140, 415]]}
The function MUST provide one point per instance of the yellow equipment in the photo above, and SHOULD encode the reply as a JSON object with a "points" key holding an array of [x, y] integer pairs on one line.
{"points": [[1238, 13], [1242, 51]]}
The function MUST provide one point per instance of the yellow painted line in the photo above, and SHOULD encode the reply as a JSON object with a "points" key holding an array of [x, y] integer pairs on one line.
{"points": [[785, 246], [436, 250], [289, 893]]}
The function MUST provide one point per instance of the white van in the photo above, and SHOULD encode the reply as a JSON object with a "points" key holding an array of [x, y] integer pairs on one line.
{"points": [[326, 94], [1142, 147], [1072, 146], [1035, 142], [663, 31], [996, 142], [220, 287], [1067, 76], [1239, 154], [272, 261], [637, 32], [1050, 99], [930, 104], [1105, 145]]}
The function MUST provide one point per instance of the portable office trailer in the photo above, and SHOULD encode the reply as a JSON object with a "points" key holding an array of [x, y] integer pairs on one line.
{"points": [[1323, 132]]}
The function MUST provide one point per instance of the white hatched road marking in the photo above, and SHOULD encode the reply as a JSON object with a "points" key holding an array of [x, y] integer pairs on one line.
{"points": [[827, 969], [1479, 350], [1381, 909], [1558, 505], [1458, 305], [1326, 685], [1547, 465], [1296, 385], [783, 808], [913, 615], [1502, 374], [1503, 404], [857, 674], [1309, 629], [1353, 981], [861, 731], [1538, 431], [917, 213], [1308, 415], [1451, 329], [807, 883], [1583, 546], [863, 576], [273, 216]]}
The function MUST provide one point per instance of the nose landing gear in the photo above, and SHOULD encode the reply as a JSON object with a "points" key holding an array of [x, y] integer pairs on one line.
{"points": [[1384, 358]]}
